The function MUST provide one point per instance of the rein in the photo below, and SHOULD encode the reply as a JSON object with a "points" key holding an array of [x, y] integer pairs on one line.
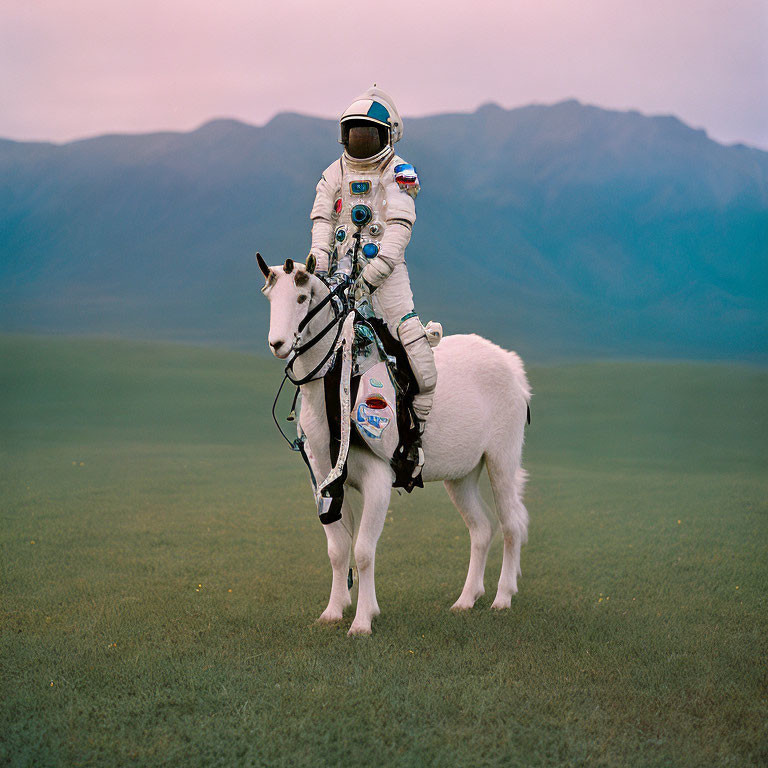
{"points": [[338, 296], [337, 299]]}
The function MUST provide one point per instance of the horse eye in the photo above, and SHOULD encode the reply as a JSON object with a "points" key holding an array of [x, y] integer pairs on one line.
{"points": [[302, 298]]}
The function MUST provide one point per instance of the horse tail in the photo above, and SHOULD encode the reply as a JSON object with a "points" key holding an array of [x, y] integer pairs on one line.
{"points": [[520, 381]]}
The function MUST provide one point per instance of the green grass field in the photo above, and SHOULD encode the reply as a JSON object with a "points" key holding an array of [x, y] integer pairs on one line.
{"points": [[162, 567]]}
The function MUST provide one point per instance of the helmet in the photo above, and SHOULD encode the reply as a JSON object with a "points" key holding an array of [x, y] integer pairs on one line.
{"points": [[372, 109]]}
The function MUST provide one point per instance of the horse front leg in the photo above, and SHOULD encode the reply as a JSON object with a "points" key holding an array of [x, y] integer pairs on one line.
{"points": [[339, 535], [377, 489]]}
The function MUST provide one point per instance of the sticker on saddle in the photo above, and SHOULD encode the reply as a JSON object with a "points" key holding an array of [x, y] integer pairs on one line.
{"points": [[370, 416]]}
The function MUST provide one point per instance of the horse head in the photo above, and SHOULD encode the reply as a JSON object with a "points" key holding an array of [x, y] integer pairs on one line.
{"points": [[290, 289]]}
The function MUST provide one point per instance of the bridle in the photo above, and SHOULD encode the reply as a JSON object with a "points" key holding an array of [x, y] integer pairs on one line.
{"points": [[338, 297], [339, 301]]}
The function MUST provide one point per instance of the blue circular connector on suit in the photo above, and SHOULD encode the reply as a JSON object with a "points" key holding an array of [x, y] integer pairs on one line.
{"points": [[370, 250], [361, 215]]}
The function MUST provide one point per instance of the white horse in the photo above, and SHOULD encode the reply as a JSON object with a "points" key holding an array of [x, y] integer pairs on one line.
{"points": [[478, 419]]}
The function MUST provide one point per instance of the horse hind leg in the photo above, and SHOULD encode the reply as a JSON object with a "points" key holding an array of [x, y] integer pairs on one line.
{"points": [[465, 494], [507, 481]]}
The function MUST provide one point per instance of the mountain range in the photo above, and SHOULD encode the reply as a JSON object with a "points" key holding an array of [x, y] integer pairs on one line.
{"points": [[560, 231]]}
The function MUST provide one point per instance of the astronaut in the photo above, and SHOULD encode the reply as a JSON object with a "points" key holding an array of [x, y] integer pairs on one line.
{"points": [[365, 207]]}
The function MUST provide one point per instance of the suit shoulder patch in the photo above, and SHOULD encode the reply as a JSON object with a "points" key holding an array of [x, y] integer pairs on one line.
{"points": [[407, 179]]}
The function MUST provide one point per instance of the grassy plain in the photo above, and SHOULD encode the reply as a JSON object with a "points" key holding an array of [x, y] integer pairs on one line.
{"points": [[162, 568]]}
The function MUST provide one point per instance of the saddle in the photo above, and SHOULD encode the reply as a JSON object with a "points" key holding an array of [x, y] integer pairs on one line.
{"points": [[368, 368], [376, 351]]}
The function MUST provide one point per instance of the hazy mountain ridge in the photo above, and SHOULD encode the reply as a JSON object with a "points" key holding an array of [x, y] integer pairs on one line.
{"points": [[579, 230]]}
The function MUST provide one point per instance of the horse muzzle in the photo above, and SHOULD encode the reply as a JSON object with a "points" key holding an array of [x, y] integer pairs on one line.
{"points": [[280, 349]]}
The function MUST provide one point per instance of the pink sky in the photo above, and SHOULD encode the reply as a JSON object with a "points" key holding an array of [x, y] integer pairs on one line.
{"points": [[73, 68]]}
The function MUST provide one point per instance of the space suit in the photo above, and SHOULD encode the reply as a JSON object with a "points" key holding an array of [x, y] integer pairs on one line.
{"points": [[365, 205]]}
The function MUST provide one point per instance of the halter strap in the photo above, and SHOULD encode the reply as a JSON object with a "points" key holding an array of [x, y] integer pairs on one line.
{"points": [[335, 293], [319, 366], [336, 299], [335, 296]]}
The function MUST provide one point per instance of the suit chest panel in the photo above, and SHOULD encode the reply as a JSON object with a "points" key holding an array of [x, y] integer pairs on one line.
{"points": [[360, 191]]}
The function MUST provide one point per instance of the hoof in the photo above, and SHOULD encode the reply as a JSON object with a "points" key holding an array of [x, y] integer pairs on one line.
{"points": [[329, 617], [359, 629], [464, 603], [504, 597]]}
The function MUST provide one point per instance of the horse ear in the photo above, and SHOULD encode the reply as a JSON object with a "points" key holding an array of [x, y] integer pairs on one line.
{"points": [[311, 264], [262, 265], [288, 266]]}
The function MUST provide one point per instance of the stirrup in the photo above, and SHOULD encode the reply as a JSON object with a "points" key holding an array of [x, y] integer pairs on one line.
{"points": [[329, 508], [416, 452], [415, 457], [409, 465]]}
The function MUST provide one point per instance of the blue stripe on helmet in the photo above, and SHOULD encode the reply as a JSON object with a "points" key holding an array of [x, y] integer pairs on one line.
{"points": [[378, 112]]}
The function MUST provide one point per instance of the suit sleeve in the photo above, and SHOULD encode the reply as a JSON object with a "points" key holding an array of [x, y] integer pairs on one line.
{"points": [[400, 218], [327, 191]]}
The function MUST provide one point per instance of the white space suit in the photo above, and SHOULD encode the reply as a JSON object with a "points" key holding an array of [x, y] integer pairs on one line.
{"points": [[373, 198]]}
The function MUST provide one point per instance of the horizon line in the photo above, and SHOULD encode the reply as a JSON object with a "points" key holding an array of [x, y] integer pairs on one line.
{"points": [[484, 105]]}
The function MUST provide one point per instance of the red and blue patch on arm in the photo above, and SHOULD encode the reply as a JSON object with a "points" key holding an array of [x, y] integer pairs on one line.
{"points": [[407, 179]]}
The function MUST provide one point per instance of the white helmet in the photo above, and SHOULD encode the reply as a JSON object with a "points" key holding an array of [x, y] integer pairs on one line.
{"points": [[374, 106]]}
